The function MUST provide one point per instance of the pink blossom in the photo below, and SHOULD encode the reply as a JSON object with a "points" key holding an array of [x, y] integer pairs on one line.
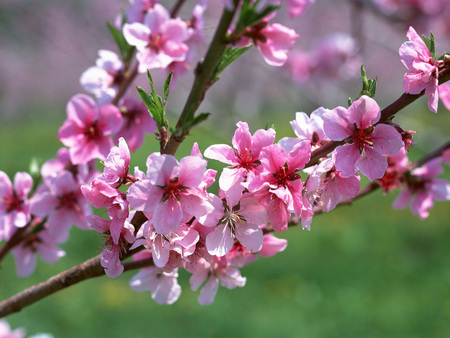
{"points": [[212, 270], [104, 79], [334, 187], [279, 185], [308, 128], [423, 188], [163, 284], [299, 65], [116, 165], [333, 57], [367, 143], [444, 94], [83, 173], [14, 204], [273, 40], [6, 332], [243, 157], [298, 7], [272, 245], [42, 243], [138, 10], [99, 193], [182, 242], [62, 202], [171, 192], [197, 24], [136, 123], [422, 69], [87, 129], [235, 219], [446, 156], [159, 40], [116, 241], [398, 165]]}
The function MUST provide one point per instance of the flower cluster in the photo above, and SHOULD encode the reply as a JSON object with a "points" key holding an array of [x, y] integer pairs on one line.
{"points": [[168, 217]]}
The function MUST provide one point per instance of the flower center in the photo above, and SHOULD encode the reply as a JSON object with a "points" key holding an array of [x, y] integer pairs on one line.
{"points": [[92, 132], [246, 160], [284, 175], [362, 137]]}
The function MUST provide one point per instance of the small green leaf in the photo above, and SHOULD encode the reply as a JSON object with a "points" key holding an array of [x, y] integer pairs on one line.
{"points": [[229, 55], [350, 101], [195, 121], [369, 86], [433, 47], [152, 107], [373, 87], [429, 42], [126, 50], [249, 16], [365, 82], [167, 88]]}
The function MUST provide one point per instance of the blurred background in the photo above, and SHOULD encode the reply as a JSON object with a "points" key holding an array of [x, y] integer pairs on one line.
{"points": [[364, 270]]}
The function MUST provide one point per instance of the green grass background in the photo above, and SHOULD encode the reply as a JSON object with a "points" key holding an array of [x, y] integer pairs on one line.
{"points": [[362, 271]]}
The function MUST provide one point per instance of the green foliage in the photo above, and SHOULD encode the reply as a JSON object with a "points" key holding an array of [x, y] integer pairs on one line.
{"points": [[369, 86], [154, 103], [249, 15], [195, 121], [229, 55], [430, 44], [126, 50]]}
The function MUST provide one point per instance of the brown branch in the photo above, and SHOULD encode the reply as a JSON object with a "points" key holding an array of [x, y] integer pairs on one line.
{"points": [[86, 270], [427, 158], [89, 269], [130, 76], [201, 83], [15, 239], [176, 8]]}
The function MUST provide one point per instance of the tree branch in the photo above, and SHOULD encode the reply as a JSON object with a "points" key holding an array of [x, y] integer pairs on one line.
{"points": [[201, 83]]}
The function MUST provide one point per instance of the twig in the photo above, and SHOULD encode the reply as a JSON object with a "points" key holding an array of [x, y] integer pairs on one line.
{"points": [[201, 83]]}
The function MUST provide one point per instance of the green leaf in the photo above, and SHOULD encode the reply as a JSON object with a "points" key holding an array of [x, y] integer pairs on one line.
{"points": [[433, 47], [152, 107], [126, 50], [369, 86], [249, 16], [229, 55], [350, 101], [195, 121], [429, 42], [365, 82], [373, 87], [167, 88], [155, 97]]}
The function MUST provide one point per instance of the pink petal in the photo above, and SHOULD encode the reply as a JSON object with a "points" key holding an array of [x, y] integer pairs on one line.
{"points": [[372, 164], [192, 169], [272, 245], [336, 124], [167, 217], [250, 236], [402, 199], [222, 153], [137, 35], [386, 140], [346, 158], [209, 290], [82, 110], [364, 112], [220, 241]]}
